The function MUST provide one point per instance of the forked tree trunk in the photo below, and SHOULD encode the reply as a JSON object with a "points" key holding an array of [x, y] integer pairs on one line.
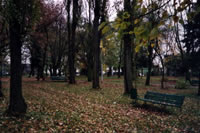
{"points": [[17, 103]]}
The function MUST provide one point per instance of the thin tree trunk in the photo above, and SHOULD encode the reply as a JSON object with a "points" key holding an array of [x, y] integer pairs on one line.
{"points": [[162, 63], [120, 60], [46, 70], [17, 103], [199, 85], [45, 54], [32, 72], [50, 70], [150, 50], [187, 74], [1, 72], [54, 71], [1, 93], [109, 71], [163, 74]]}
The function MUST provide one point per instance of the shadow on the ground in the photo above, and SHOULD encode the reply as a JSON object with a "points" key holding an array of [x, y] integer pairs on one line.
{"points": [[151, 108]]}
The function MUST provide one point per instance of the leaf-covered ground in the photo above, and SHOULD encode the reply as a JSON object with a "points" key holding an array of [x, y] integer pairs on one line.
{"points": [[60, 107]]}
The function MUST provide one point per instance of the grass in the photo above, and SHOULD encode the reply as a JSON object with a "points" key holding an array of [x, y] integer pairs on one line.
{"points": [[60, 107]]}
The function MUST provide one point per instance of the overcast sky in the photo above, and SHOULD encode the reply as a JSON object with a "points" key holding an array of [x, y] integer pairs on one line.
{"points": [[112, 11]]}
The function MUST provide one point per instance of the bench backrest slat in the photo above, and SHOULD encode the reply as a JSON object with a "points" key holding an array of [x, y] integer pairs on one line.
{"points": [[167, 98], [58, 78]]}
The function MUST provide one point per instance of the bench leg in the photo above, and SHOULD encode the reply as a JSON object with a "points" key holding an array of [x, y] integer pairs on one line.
{"points": [[180, 109], [163, 107], [135, 101]]}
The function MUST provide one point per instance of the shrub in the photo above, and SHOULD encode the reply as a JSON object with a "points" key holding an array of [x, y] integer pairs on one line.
{"points": [[182, 84]]}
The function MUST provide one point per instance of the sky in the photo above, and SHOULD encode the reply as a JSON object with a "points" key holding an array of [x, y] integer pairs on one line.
{"points": [[112, 11]]}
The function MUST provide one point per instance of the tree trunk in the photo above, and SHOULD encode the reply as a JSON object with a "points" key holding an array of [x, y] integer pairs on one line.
{"points": [[96, 46], [1, 73], [1, 93], [157, 49], [46, 70], [50, 70], [109, 71], [90, 48], [45, 55], [187, 74], [59, 72], [89, 72], [163, 74], [72, 71], [128, 84], [150, 50], [120, 60], [199, 85], [17, 103], [54, 71], [90, 62]]}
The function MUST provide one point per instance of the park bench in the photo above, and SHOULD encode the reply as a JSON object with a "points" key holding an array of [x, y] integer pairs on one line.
{"points": [[163, 99], [58, 78], [194, 82]]}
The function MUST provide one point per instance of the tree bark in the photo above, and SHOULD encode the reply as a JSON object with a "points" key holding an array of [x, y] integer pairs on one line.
{"points": [[163, 73], [157, 49], [89, 70], [1, 93], [72, 71], [54, 71], [128, 84], [1, 74], [109, 72], [120, 61], [199, 85], [90, 48], [96, 46], [150, 50], [17, 103]]}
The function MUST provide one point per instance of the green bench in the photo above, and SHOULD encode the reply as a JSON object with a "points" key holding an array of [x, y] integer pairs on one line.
{"points": [[58, 78], [163, 99], [194, 82]]}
